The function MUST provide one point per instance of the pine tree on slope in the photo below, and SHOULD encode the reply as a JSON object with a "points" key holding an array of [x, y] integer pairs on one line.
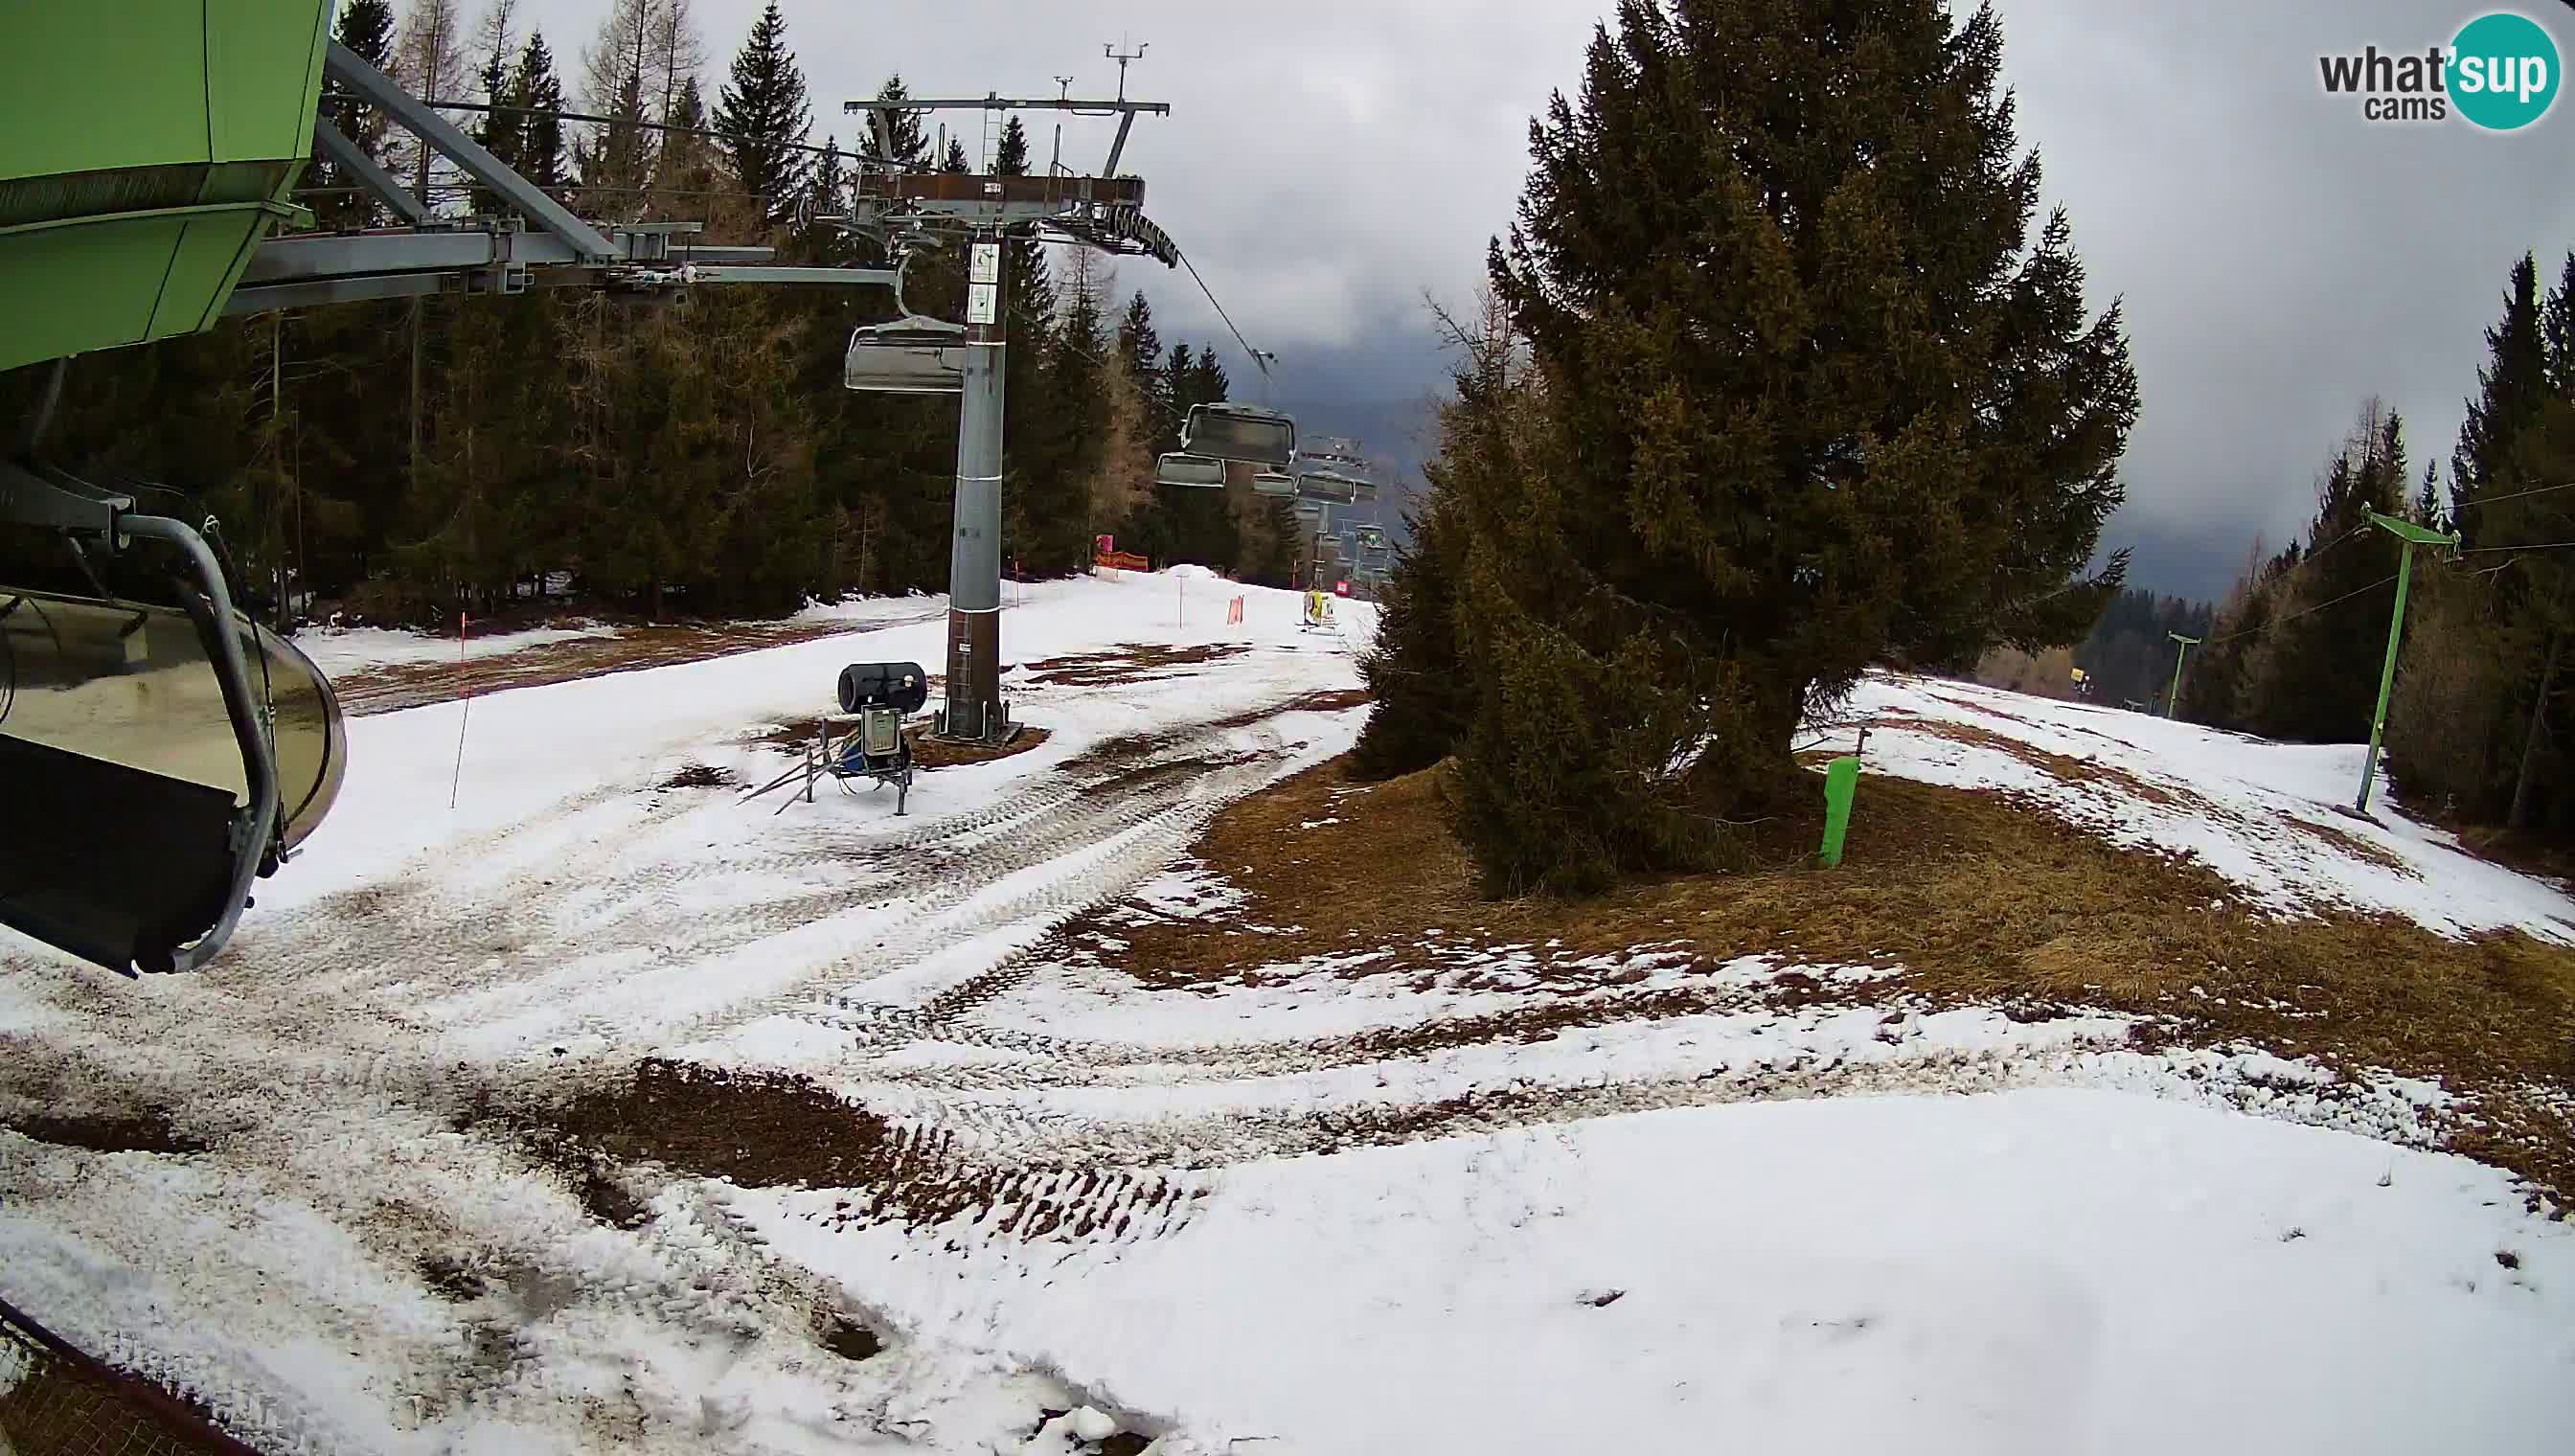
{"points": [[761, 117]]}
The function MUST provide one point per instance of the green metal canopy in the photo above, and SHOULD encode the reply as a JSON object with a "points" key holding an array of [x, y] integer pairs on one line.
{"points": [[146, 147]]}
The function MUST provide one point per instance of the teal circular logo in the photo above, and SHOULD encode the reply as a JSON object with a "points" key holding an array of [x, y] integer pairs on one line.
{"points": [[2503, 71]]}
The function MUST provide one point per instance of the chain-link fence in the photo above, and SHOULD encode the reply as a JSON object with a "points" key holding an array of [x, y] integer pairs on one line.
{"points": [[56, 1401]]}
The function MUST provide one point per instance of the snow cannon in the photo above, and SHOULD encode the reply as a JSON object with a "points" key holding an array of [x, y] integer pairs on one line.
{"points": [[901, 687]]}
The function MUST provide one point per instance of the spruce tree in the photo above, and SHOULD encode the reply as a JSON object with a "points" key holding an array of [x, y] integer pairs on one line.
{"points": [[685, 177], [366, 27], [2313, 676], [1412, 665], [541, 140], [1142, 351], [2427, 500], [2510, 384], [501, 129], [1816, 395], [762, 116], [907, 146], [2557, 332], [2538, 604], [818, 240]]}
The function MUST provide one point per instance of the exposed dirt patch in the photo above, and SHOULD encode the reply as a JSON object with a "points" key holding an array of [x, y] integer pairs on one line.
{"points": [[2356, 847], [929, 752], [449, 1278], [850, 1340], [1127, 663], [759, 1131], [764, 1131], [700, 776], [1981, 899], [148, 1131], [2066, 768], [1120, 1443], [1111, 754], [2511, 851], [591, 1176]]}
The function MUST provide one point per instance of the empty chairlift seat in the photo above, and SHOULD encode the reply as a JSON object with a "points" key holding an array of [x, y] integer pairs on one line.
{"points": [[915, 355], [1188, 470], [1328, 485], [1246, 433], [118, 750], [1274, 483]]}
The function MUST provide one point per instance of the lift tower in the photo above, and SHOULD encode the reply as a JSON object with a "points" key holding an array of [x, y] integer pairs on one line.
{"points": [[905, 211]]}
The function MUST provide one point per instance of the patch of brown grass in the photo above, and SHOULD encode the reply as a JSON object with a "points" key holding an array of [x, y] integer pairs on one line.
{"points": [[1127, 663], [1981, 899], [2356, 847], [2064, 768], [409, 685]]}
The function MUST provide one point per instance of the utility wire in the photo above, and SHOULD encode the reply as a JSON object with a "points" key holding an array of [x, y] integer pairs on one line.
{"points": [[2515, 495], [2534, 546], [1256, 358], [2303, 611], [864, 158]]}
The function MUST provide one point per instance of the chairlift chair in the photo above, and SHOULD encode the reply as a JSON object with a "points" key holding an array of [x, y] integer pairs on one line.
{"points": [[1189, 469], [1330, 485], [1246, 433], [158, 759], [1274, 483], [914, 355]]}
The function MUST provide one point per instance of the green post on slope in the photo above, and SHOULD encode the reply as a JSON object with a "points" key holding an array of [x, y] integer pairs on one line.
{"points": [[2413, 535], [2172, 701], [1842, 783]]}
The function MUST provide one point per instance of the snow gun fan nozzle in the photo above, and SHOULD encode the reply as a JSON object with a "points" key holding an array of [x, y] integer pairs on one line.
{"points": [[901, 687]]}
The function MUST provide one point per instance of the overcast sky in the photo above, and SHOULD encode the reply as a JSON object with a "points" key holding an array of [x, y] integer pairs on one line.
{"points": [[1327, 161]]}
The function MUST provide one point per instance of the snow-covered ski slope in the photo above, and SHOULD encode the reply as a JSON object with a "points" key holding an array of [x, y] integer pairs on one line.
{"points": [[2273, 817], [412, 1193]]}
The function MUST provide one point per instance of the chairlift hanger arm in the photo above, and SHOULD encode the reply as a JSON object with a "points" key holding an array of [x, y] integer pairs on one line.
{"points": [[34, 495]]}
